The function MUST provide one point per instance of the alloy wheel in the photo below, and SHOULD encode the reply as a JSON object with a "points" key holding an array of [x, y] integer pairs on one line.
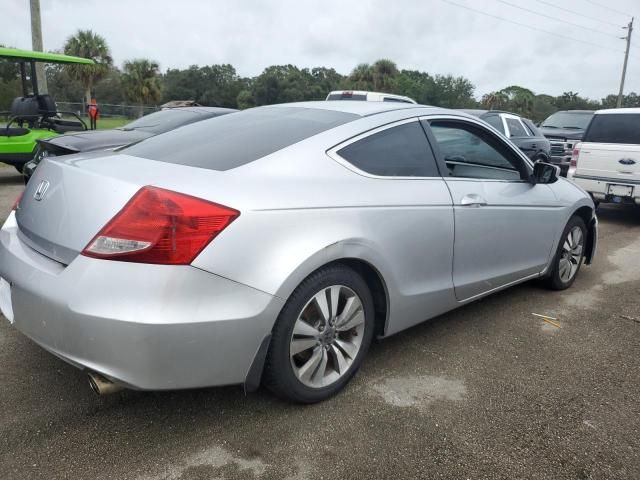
{"points": [[327, 336], [571, 254]]}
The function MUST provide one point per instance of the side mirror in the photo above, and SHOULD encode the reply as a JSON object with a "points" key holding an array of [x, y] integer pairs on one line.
{"points": [[545, 173]]}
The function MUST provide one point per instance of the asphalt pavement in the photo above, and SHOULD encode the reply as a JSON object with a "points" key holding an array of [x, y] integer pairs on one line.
{"points": [[487, 391]]}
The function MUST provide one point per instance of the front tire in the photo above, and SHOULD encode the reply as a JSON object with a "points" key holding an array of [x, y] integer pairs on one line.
{"points": [[569, 255], [321, 336]]}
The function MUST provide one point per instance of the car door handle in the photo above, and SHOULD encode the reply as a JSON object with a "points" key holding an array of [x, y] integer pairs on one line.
{"points": [[472, 200]]}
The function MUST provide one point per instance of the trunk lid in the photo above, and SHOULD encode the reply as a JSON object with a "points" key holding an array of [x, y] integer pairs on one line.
{"points": [[609, 161], [69, 199], [64, 206]]}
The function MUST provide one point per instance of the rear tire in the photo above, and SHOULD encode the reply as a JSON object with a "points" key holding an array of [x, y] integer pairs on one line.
{"points": [[569, 255], [312, 354]]}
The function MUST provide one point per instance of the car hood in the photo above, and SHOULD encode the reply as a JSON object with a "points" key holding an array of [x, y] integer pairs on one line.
{"points": [[96, 140], [561, 133]]}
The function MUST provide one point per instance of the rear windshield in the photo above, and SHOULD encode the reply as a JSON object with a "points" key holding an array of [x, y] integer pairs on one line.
{"points": [[614, 128], [164, 120], [236, 139], [346, 96]]}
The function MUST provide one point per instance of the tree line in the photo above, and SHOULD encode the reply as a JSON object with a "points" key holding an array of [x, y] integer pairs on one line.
{"points": [[140, 82]]}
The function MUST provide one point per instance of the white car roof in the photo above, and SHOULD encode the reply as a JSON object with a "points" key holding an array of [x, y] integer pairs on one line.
{"points": [[361, 108], [373, 96], [617, 110]]}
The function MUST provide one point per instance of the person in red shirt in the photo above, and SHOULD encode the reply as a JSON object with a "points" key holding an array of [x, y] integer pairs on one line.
{"points": [[94, 113]]}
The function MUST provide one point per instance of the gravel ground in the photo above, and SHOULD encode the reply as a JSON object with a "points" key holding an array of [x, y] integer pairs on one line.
{"points": [[487, 391]]}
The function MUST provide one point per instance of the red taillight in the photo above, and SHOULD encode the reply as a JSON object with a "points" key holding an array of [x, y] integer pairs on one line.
{"points": [[575, 154], [160, 226], [16, 204]]}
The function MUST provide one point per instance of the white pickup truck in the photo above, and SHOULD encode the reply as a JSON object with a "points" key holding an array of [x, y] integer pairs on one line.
{"points": [[607, 161]]}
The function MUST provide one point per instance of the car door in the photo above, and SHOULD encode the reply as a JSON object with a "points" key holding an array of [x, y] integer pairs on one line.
{"points": [[520, 135], [504, 225]]}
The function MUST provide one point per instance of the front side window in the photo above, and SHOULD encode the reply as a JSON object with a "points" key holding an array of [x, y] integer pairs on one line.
{"points": [[515, 127], [401, 151], [614, 128], [472, 152]]}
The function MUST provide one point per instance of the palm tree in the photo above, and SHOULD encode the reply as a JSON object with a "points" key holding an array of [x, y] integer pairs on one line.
{"points": [[141, 81], [494, 100], [384, 72], [361, 77], [87, 44]]}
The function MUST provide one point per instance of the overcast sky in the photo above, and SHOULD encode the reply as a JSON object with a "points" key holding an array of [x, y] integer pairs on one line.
{"points": [[428, 35]]}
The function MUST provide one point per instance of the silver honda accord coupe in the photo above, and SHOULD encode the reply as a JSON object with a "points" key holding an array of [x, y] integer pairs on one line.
{"points": [[271, 246]]}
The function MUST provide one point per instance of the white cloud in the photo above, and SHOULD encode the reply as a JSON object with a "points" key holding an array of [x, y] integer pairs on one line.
{"points": [[428, 35]]}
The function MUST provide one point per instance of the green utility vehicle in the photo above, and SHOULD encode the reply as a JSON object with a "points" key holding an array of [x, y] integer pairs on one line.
{"points": [[33, 116]]}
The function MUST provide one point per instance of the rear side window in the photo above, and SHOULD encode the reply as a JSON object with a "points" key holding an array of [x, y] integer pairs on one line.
{"points": [[496, 122], [515, 127], [614, 128], [531, 128], [401, 151], [236, 139]]}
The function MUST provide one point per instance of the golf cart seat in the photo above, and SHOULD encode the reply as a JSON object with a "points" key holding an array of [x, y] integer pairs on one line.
{"points": [[13, 131], [25, 110], [49, 112]]}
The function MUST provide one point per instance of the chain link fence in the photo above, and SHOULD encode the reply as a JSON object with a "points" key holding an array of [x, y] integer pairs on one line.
{"points": [[107, 109]]}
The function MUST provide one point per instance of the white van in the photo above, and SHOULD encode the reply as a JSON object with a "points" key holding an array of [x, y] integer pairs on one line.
{"points": [[368, 96], [607, 161]]}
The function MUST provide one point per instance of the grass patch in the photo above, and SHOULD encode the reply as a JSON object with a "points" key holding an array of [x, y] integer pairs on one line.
{"points": [[105, 123]]}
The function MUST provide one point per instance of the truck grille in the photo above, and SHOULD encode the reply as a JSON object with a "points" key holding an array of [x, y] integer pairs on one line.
{"points": [[560, 148], [557, 149]]}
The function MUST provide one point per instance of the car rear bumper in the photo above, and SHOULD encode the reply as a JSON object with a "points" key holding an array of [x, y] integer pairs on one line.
{"points": [[563, 162], [599, 187], [149, 327]]}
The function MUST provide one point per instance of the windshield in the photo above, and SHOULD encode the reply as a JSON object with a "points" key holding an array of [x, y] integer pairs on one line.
{"points": [[568, 120], [163, 121]]}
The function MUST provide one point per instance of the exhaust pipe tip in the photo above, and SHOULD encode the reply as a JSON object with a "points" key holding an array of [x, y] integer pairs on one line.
{"points": [[101, 385]]}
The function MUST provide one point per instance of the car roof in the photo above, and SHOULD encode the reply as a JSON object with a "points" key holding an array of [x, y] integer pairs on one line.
{"points": [[363, 109], [617, 110], [478, 112], [574, 111]]}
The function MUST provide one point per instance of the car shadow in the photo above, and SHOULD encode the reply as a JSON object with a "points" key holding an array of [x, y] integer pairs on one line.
{"points": [[9, 176], [619, 215]]}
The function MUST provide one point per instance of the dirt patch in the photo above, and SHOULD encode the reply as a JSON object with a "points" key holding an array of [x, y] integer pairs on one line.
{"points": [[419, 391], [214, 462]]}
